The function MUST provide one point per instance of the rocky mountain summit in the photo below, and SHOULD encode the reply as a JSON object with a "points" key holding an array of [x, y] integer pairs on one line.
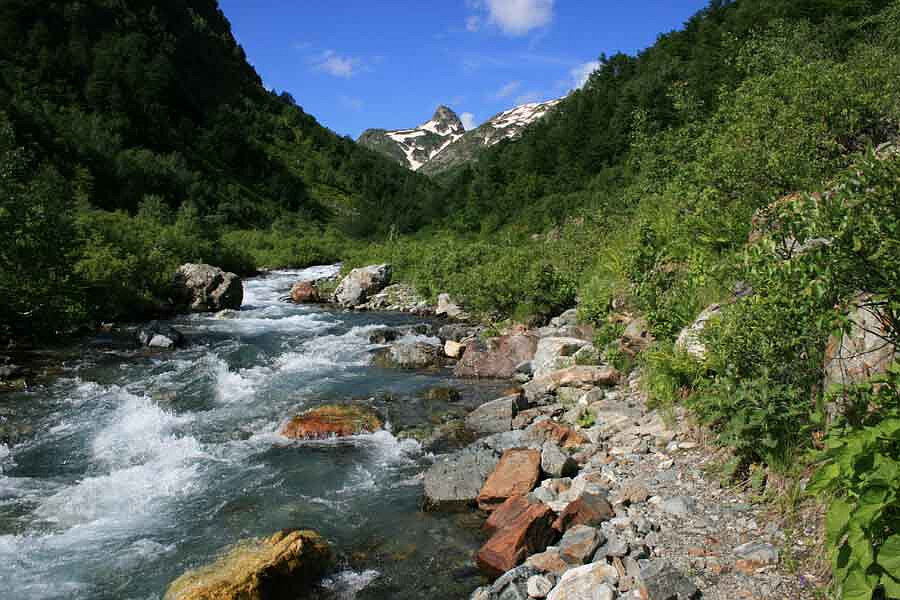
{"points": [[443, 142], [415, 147], [506, 125]]}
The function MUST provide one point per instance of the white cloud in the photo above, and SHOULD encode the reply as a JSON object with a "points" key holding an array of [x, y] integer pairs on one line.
{"points": [[507, 90], [351, 103], [518, 17], [337, 65], [582, 72], [468, 121], [473, 23]]}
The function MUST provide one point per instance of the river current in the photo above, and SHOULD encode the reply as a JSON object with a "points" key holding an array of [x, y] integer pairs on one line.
{"points": [[139, 466]]}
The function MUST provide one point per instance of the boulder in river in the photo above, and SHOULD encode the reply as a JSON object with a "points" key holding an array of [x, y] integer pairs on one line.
{"points": [[454, 481], [398, 297], [159, 336], [361, 284], [411, 352], [205, 288], [332, 421], [276, 568], [305, 292]]}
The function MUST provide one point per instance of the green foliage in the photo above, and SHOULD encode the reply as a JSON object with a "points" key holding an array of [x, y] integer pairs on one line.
{"points": [[861, 470]]}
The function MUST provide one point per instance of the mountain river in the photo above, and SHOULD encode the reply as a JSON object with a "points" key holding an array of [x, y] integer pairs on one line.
{"points": [[137, 466]]}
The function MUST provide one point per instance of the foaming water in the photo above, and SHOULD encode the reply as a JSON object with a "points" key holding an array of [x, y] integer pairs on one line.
{"points": [[140, 467]]}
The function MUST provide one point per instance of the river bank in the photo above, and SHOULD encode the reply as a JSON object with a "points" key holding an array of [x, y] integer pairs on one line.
{"points": [[165, 459]]}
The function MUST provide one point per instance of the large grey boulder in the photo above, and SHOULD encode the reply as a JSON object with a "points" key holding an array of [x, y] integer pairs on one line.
{"points": [[495, 416], [412, 352], [689, 338], [446, 307], [205, 288], [453, 482], [552, 353], [361, 284], [863, 350], [662, 580], [592, 581]]}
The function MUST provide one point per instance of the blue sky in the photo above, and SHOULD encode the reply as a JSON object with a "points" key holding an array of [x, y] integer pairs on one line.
{"points": [[355, 64]]}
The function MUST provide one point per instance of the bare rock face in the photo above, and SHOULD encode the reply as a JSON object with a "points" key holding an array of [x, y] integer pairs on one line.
{"points": [[361, 284], [331, 421], [205, 288], [277, 568], [497, 357]]}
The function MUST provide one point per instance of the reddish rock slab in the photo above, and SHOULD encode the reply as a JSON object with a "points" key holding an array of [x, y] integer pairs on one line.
{"points": [[551, 431], [305, 292], [515, 475], [589, 509], [331, 421], [496, 358], [528, 533], [505, 514]]}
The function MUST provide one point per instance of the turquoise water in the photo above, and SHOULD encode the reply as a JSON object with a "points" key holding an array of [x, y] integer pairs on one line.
{"points": [[140, 466]]}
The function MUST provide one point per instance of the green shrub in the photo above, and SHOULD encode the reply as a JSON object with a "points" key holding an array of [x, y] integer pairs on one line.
{"points": [[861, 470]]}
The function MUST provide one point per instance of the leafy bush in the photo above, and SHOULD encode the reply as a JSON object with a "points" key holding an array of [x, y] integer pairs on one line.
{"points": [[861, 470]]}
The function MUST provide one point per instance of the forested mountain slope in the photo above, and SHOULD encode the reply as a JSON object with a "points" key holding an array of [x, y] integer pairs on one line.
{"points": [[151, 109]]}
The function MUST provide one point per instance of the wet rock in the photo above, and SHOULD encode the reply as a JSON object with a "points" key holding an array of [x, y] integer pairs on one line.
{"points": [[556, 463], [549, 352], [277, 568], [159, 336], [332, 421], [587, 509], [305, 292], [411, 352], [384, 335], [205, 288], [662, 581], [495, 416], [579, 543], [454, 482], [497, 357], [399, 297], [443, 394], [689, 338], [360, 284], [585, 583], [515, 475], [529, 533]]}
